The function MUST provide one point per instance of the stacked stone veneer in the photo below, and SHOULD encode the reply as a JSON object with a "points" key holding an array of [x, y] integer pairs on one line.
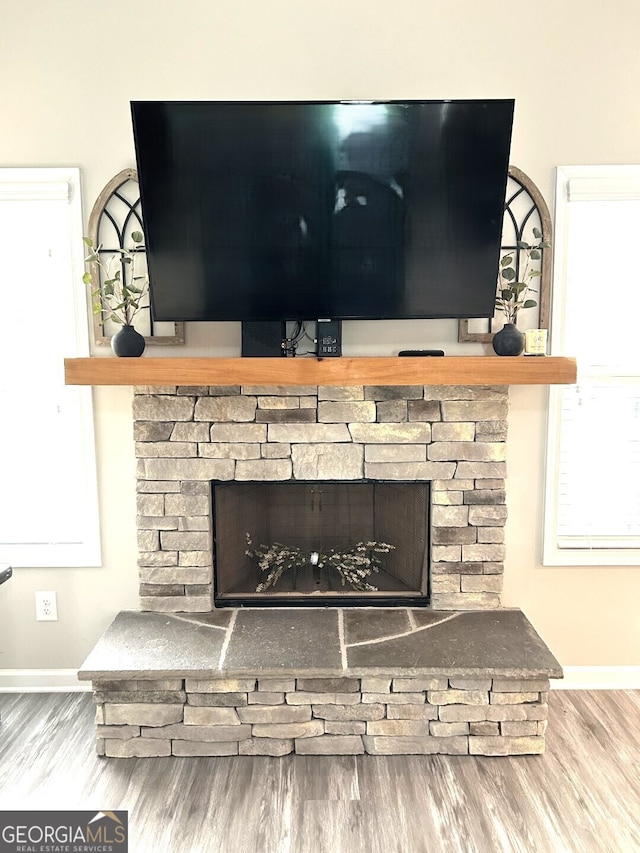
{"points": [[452, 436], [321, 716]]}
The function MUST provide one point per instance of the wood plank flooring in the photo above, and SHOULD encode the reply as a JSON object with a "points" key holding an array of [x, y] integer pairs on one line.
{"points": [[583, 796]]}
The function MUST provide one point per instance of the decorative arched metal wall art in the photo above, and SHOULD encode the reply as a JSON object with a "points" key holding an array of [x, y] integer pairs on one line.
{"points": [[115, 215], [525, 209]]}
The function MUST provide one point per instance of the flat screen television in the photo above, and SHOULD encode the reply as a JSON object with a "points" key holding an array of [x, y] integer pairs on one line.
{"points": [[306, 210]]}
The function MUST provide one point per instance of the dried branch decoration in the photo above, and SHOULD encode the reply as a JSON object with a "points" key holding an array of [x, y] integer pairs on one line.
{"points": [[355, 565]]}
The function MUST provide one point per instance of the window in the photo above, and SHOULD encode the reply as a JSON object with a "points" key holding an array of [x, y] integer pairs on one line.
{"points": [[592, 506], [48, 495]]}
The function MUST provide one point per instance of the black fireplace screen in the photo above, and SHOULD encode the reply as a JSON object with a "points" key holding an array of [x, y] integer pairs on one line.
{"points": [[355, 543]]}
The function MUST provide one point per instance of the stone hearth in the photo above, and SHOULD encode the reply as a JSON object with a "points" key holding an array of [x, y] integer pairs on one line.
{"points": [[321, 681]]}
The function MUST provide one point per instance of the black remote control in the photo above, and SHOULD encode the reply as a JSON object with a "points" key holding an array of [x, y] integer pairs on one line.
{"points": [[421, 352]]}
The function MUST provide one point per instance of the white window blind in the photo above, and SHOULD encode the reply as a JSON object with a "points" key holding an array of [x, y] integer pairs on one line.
{"points": [[592, 506], [599, 465], [618, 185], [48, 492]]}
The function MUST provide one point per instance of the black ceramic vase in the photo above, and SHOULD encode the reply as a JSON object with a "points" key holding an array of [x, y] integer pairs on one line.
{"points": [[509, 340], [127, 343]]}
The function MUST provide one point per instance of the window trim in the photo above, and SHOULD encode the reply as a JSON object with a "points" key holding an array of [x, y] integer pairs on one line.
{"points": [[42, 184], [600, 183]]}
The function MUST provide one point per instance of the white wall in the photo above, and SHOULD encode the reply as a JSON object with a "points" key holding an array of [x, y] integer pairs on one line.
{"points": [[67, 73]]}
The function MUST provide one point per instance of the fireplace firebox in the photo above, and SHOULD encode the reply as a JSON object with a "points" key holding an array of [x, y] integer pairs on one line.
{"points": [[343, 543]]}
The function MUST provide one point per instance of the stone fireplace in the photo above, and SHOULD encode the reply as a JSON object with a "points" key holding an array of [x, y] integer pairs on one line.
{"points": [[435, 667], [452, 438]]}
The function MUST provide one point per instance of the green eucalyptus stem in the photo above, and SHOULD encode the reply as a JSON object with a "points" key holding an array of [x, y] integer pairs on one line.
{"points": [[112, 297], [513, 293]]}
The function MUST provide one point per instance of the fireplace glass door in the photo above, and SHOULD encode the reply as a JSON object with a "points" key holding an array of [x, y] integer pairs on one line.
{"points": [[340, 543]]}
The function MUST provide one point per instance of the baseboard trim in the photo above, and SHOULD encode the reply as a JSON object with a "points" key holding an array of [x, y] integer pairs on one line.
{"points": [[598, 678], [41, 681]]}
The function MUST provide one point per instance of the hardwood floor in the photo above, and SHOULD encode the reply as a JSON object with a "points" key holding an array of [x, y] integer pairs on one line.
{"points": [[583, 795]]}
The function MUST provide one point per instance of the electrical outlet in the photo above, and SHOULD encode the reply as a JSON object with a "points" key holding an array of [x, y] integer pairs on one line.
{"points": [[46, 607]]}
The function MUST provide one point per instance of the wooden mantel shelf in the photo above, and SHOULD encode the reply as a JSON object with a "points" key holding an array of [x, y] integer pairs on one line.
{"points": [[447, 370]]}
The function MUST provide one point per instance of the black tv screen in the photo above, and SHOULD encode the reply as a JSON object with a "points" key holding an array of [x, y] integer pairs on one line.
{"points": [[307, 210]]}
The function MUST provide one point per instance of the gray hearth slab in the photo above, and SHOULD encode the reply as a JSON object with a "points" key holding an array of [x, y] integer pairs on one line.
{"points": [[464, 643], [286, 641], [321, 642], [156, 645], [366, 624]]}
